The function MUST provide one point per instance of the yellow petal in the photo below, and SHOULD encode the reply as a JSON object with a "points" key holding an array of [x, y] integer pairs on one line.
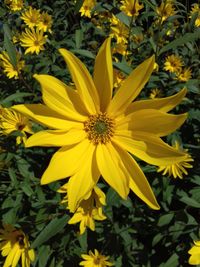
{"points": [[16, 258], [56, 138], [149, 148], [103, 74], [131, 87], [46, 116], [9, 259], [164, 104], [65, 162], [83, 81], [137, 180], [31, 254], [61, 98], [77, 217], [110, 167], [84, 179], [194, 259], [151, 121]]}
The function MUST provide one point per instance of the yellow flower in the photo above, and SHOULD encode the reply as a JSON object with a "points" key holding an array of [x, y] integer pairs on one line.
{"points": [[86, 8], [131, 7], [166, 10], [31, 17], [120, 48], [184, 75], [14, 5], [173, 64], [120, 32], [196, 10], [177, 169], [34, 40], [11, 121], [155, 93], [96, 130], [195, 254], [8, 68], [90, 209], [118, 78], [95, 260], [14, 245], [45, 22]]}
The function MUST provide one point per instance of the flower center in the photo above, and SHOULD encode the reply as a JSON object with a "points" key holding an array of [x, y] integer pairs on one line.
{"points": [[97, 260], [99, 128], [20, 240]]}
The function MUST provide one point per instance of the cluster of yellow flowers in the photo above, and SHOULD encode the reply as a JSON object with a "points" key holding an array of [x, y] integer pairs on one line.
{"points": [[174, 64]]}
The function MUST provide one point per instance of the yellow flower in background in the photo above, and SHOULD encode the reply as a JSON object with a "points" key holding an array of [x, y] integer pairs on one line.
{"points": [[121, 49], [155, 93], [89, 210], [34, 40], [14, 245], [195, 254], [173, 64], [11, 121], [14, 5], [31, 17], [196, 10], [120, 32], [166, 10], [87, 7], [177, 169], [95, 260], [131, 7], [45, 22], [118, 78], [184, 75], [8, 68], [96, 130]]}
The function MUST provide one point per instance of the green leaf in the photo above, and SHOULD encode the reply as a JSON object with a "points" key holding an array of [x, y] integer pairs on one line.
{"points": [[78, 38], [78, 5], [171, 262], [165, 219], [55, 226], [10, 48], [83, 52], [15, 96], [190, 202], [188, 37]]}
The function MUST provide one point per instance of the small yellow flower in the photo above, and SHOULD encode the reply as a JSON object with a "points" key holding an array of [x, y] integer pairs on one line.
{"points": [[14, 5], [8, 68], [118, 78], [131, 7], [119, 31], [34, 40], [86, 8], [121, 49], [11, 121], [45, 22], [184, 75], [31, 17], [196, 10], [195, 254], [173, 64], [179, 168], [155, 93], [95, 260], [14, 245], [166, 10]]}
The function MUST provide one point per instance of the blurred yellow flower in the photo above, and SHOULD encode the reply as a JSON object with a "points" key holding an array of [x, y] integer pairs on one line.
{"points": [[155, 93], [184, 75], [95, 260], [89, 210], [34, 40], [97, 130], [11, 121], [14, 5], [131, 7], [121, 49], [118, 78], [87, 7], [9, 69], [177, 169], [173, 64], [119, 31], [195, 254], [31, 17], [14, 245], [196, 10], [45, 22], [166, 10]]}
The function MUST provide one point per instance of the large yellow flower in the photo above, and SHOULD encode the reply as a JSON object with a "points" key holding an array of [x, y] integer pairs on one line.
{"points": [[96, 129], [14, 245], [31, 17], [34, 40]]}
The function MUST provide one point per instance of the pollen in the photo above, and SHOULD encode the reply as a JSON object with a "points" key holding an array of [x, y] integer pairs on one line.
{"points": [[99, 128]]}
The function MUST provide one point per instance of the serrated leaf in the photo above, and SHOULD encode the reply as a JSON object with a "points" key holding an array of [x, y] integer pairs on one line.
{"points": [[188, 37], [55, 226]]}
